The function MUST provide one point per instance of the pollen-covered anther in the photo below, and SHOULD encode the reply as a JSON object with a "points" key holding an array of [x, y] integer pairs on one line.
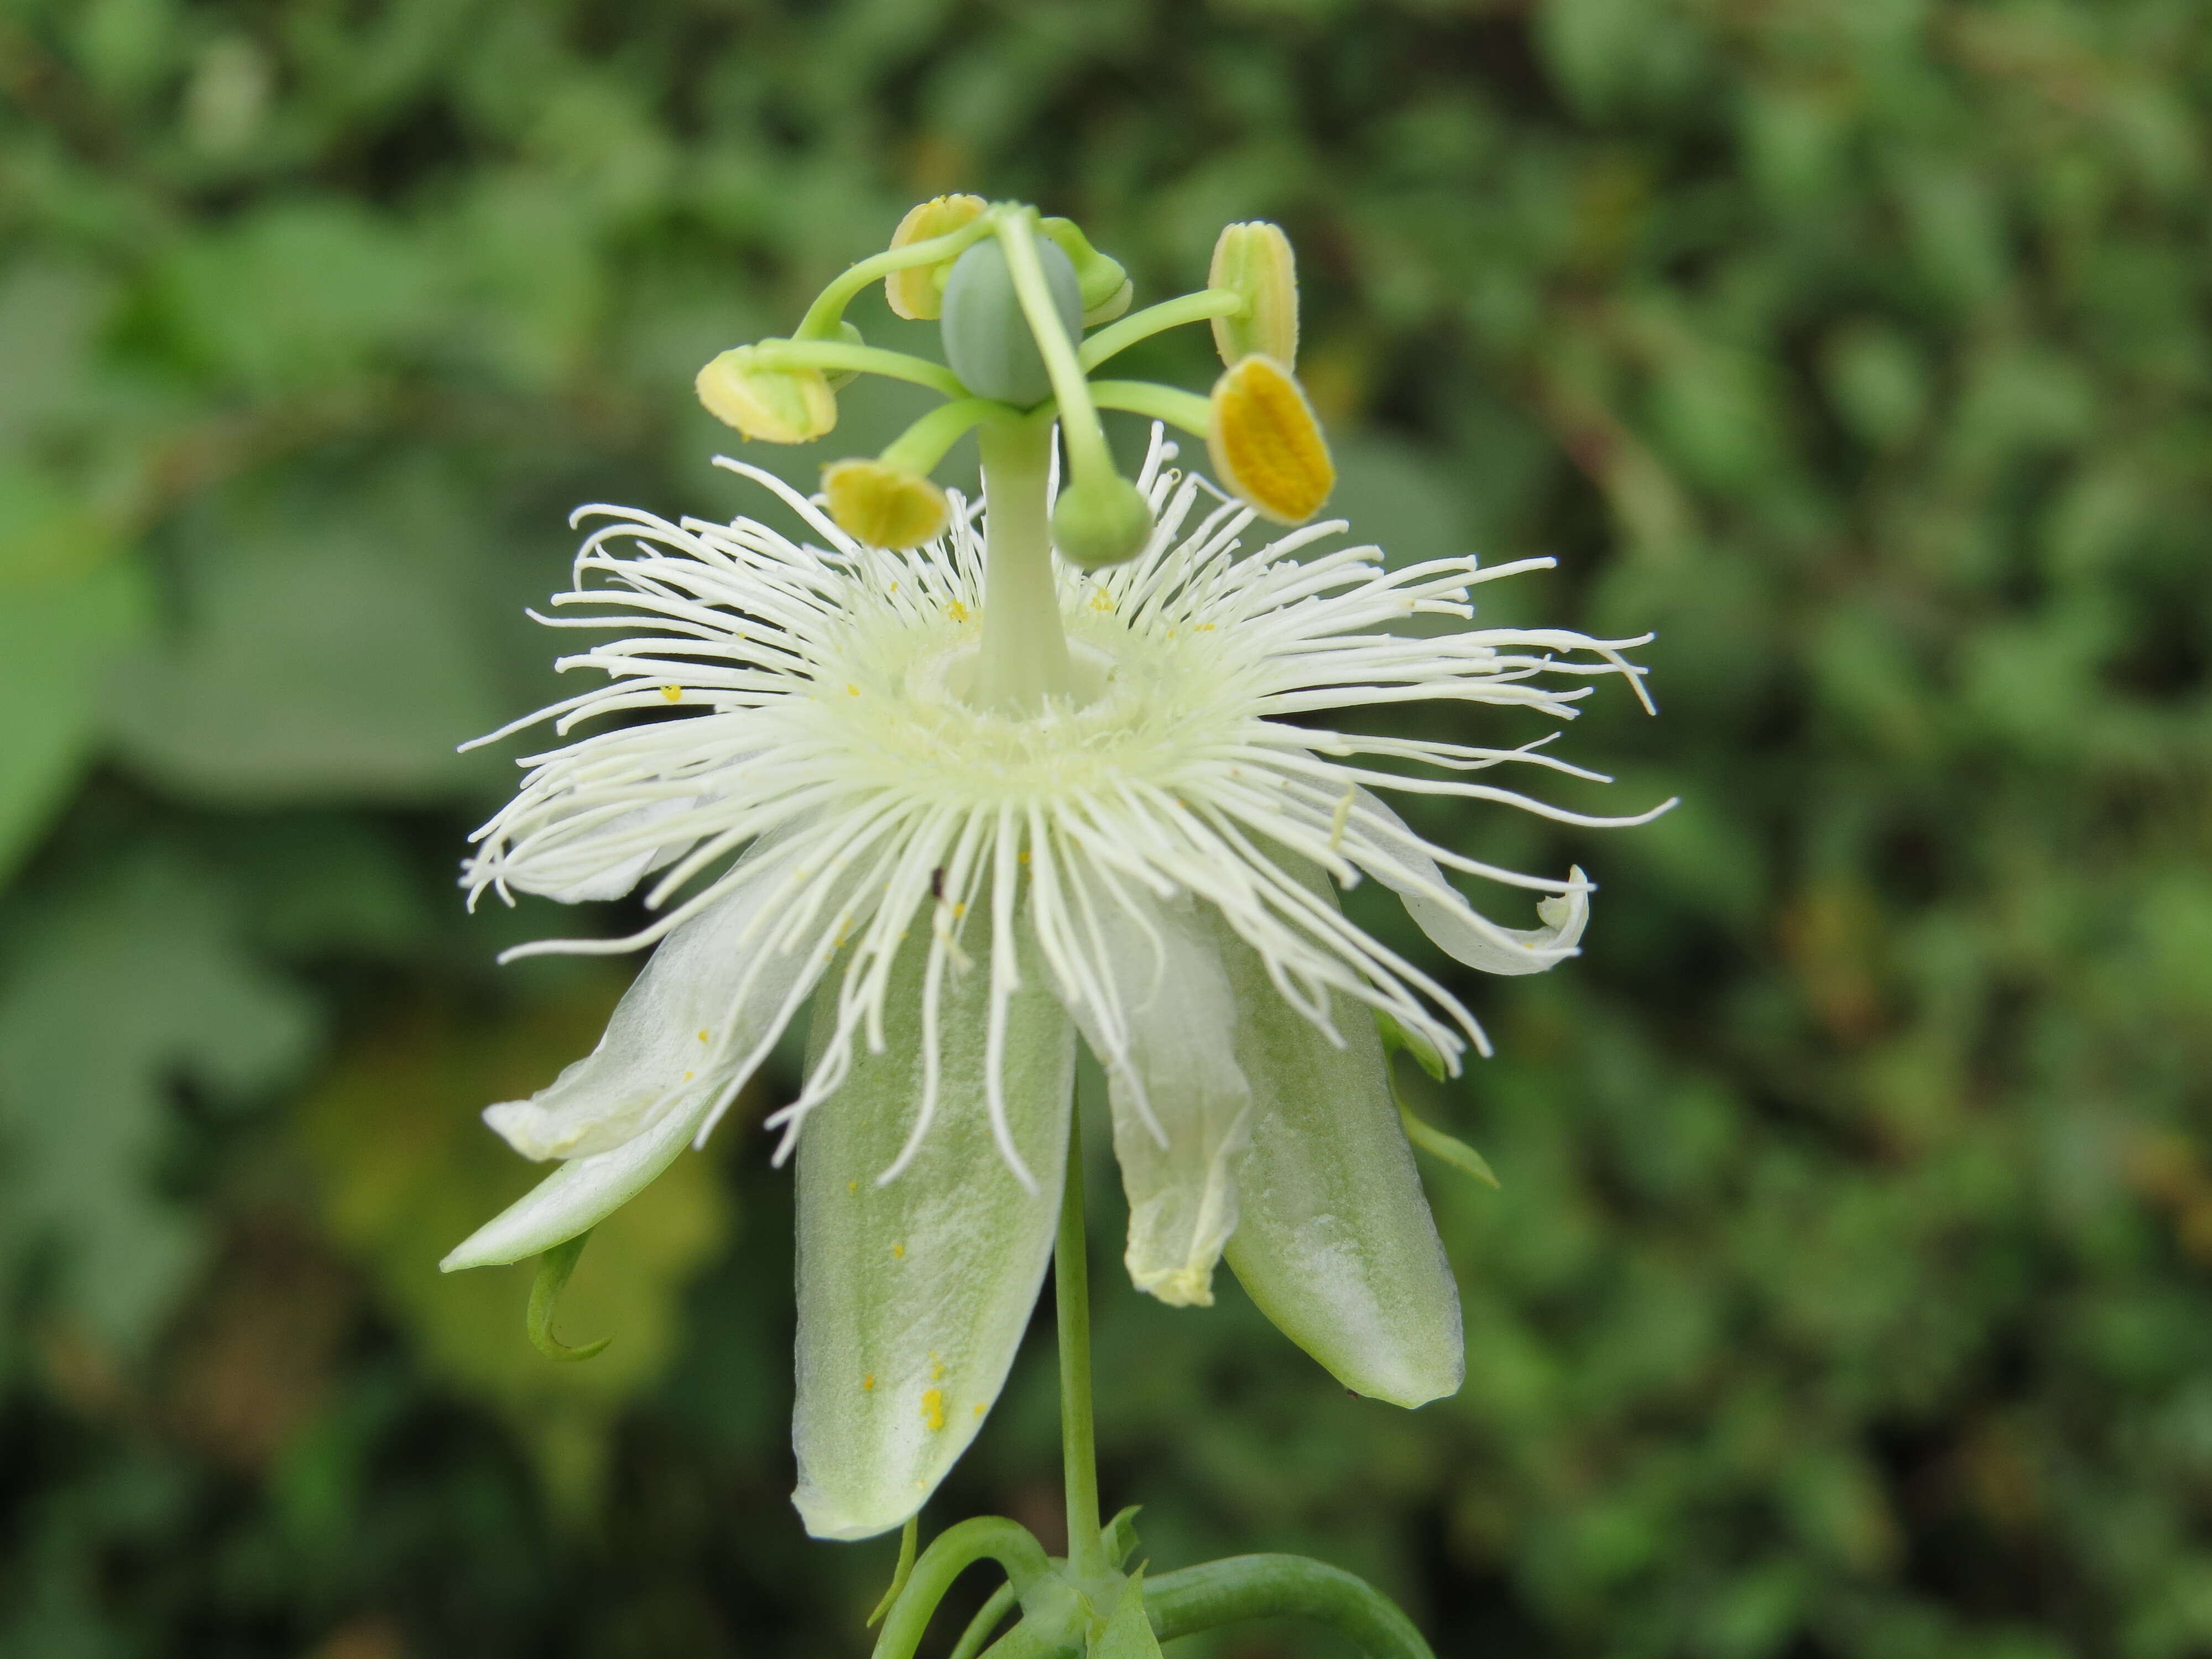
{"points": [[1266, 444], [918, 293], [777, 405], [884, 504]]}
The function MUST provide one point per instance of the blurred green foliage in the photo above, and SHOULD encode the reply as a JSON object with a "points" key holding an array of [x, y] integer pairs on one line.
{"points": [[1850, 1292]]}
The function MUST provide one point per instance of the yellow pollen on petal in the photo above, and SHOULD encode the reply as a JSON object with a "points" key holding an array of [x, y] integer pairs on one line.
{"points": [[932, 1408], [852, 691], [852, 1185], [956, 611], [898, 1252], [703, 1036], [979, 1408], [688, 1076], [1266, 443], [673, 693], [936, 1369], [868, 1384]]}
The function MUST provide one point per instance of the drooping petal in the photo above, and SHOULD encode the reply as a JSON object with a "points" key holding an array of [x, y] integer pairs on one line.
{"points": [[700, 1009], [1458, 929], [1337, 1245], [1181, 1108], [913, 1295]]}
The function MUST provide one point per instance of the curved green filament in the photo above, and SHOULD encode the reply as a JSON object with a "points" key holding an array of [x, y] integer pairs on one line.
{"points": [[923, 445], [553, 1270], [1087, 453], [1070, 1288], [1186, 410], [1197, 307], [951, 1552], [842, 355], [985, 1621], [1241, 1587], [828, 310], [910, 1535]]}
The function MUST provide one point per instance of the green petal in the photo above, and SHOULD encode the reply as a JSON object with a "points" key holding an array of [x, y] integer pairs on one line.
{"points": [[913, 1297], [1182, 1110], [1337, 1245]]}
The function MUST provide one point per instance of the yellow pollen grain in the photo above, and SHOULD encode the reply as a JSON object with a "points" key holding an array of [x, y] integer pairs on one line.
{"points": [[898, 1252], [852, 1185], [673, 693], [956, 611], [852, 691], [979, 1408], [688, 1076], [868, 1384], [1101, 600], [937, 1370], [959, 910], [933, 1409], [1203, 627], [703, 1036], [1266, 442]]}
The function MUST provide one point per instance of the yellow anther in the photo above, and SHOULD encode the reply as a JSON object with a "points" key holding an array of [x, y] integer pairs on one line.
{"points": [[1266, 445], [779, 405], [933, 1409], [918, 293], [673, 693], [884, 504], [1255, 262]]}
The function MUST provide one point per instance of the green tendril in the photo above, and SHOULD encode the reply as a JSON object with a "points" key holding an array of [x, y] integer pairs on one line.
{"points": [[924, 443], [843, 356], [909, 1536], [1245, 1587], [828, 310], [1199, 307], [1184, 410], [553, 1270], [951, 1552]]}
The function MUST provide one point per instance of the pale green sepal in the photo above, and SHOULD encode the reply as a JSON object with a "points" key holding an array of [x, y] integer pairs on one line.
{"points": [[1126, 1634], [1182, 1110], [580, 1194], [913, 1295], [1337, 1245]]}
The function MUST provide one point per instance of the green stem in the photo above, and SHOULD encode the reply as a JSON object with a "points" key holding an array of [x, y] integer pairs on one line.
{"points": [[1155, 319], [922, 444], [828, 310], [1025, 655], [1186, 410], [985, 1621], [1088, 456], [1241, 1587], [1071, 1287], [952, 1553], [842, 355]]}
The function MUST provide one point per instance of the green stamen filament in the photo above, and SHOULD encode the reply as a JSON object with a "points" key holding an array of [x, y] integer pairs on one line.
{"points": [[1201, 307], [1186, 410], [841, 356], [828, 310]]}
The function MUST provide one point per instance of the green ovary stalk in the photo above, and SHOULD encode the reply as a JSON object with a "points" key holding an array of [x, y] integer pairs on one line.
{"points": [[1025, 655]]}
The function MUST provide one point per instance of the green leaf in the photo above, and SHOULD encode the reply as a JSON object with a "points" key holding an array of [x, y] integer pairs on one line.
{"points": [[111, 995]]}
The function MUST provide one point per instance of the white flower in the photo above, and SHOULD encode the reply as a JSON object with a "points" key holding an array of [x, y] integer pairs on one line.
{"points": [[959, 891]]}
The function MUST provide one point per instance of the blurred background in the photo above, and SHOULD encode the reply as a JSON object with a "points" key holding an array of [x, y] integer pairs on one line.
{"points": [[1849, 1291]]}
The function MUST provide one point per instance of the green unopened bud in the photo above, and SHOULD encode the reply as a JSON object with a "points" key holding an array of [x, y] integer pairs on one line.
{"points": [[883, 504], [779, 405], [987, 340], [1255, 262], [1105, 286], [918, 293], [1101, 521]]}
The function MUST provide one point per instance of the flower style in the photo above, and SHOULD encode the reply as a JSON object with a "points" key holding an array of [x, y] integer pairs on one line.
{"points": [[849, 799]]}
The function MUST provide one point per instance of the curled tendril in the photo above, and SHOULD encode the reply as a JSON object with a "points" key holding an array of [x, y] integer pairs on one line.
{"points": [[908, 1540], [553, 1270]]}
